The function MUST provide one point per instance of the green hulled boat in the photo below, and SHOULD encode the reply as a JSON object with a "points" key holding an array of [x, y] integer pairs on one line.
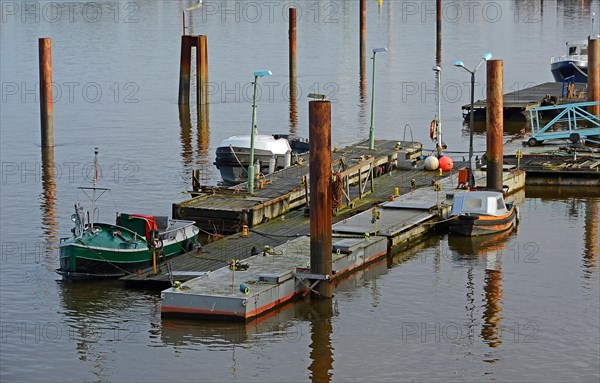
{"points": [[133, 242]]}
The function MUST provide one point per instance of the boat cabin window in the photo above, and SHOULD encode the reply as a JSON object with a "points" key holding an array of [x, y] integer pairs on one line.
{"points": [[500, 203], [583, 51], [572, 51], [473, 204]]}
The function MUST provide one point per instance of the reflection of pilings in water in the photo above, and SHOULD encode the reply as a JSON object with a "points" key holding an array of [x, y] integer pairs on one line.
{"points": [[471, 302], [321, 353], [185, 135], [48, 205], [362, 95], [492, 314], [590, 253]]}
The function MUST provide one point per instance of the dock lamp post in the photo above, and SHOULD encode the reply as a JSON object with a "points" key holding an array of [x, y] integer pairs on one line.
{"points": [[458, 63], [371, 130], [252, 132]]}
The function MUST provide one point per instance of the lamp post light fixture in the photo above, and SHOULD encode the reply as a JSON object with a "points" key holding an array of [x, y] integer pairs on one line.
{"points": [[253, 131], [458, 63], [317, 96], [371, 130]]}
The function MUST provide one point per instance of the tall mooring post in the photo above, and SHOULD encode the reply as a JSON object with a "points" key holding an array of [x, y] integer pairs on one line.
{"points": [[319, 115], [202, 70], [292, 70], [494, 123], [438, 34], [363, 29], [292, 38], [363, 54], [594, 74], [201, 44], [46, 112]]}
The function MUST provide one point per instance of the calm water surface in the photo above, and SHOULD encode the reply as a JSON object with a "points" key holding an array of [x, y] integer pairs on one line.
{"points": [[524, 307]]}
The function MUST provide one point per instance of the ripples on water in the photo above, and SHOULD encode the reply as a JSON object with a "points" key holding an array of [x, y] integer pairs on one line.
{"points": [[524, 308]]}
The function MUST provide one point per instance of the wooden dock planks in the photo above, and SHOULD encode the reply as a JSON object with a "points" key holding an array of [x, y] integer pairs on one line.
{"points": [[279, 230], [225, 210]]}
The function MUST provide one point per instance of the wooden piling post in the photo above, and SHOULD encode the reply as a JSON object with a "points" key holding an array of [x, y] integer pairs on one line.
{"points": [[438, 29], [184, 69], [292, 70], [319, 115], [363, 28], [196, 180], [46, 110], [495, 124], [202, 52], [292, 37], [594, 74]]}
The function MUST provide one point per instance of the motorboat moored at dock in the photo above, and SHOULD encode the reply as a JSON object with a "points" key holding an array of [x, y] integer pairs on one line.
{"points": [[481, 212], [272, 152], [573, 64], [133, 242]]}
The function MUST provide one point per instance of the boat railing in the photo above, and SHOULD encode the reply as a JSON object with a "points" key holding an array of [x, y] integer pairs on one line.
{"points": [[176, 225], [555, 59]]}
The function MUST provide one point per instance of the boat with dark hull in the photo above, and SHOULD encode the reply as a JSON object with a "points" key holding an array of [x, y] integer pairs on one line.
{"points": [[271, 152], [574, 64], [133, 242], [478, 213]]}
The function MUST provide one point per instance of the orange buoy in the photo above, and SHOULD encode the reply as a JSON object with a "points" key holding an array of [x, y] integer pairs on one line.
{"points": [[446, 163]]}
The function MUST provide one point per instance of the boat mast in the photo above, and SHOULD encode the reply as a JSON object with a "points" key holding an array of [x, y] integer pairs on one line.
{"points": [[94, 188]]}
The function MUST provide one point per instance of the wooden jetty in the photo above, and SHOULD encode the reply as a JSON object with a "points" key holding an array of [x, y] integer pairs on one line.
{"points": [[225, 210], [518, 103], [277, 276], [292, 224], [266, 281], [557, 163]]}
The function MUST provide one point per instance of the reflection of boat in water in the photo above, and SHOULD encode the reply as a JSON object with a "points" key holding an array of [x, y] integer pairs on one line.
{"points": [[134, 241], [279, 323], [479, 245], [99, 313], [272, 152], [481, 212]]}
